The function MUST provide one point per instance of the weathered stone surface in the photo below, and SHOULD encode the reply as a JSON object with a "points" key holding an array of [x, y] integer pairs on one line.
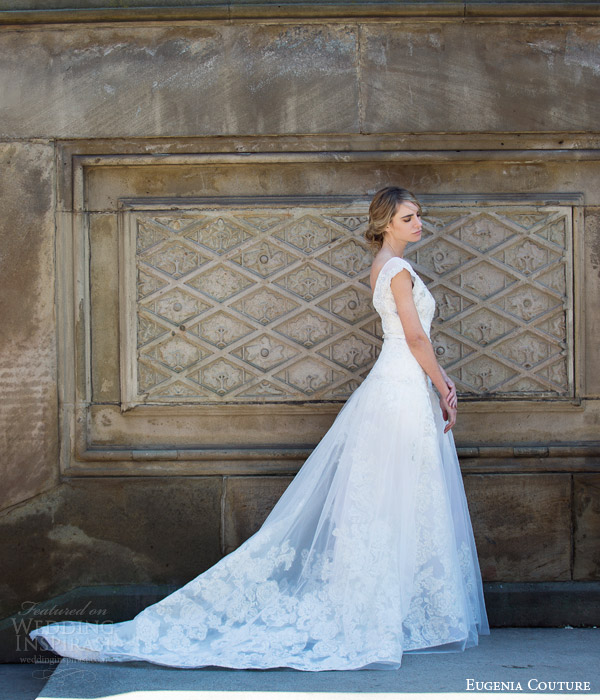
{"points": [[590, 308], [209, 426], [546, 604], [208, 294], [104, 307], [88, 4], [28, 402], [223, 7], [50, 11], [229, 302], [107, 185], [243, 88], [522, 525], [512, 425], [174, 81], [248, 501], [452, 77], [100, 81], [586, 510], [100, 531]]}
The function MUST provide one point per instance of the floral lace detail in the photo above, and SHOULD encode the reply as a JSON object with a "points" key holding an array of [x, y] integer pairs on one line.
{"points": [[368, 553], [436, 615], [385, 305]]}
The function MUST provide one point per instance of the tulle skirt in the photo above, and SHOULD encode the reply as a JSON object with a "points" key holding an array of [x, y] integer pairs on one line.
{"points": [[369, 554]]}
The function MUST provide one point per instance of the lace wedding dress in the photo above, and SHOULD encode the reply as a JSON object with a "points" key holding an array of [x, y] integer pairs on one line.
{"points": [[368, 554]]}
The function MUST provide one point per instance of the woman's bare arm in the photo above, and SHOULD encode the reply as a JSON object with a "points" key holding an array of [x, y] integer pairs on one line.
{"points": [[416, 338]]}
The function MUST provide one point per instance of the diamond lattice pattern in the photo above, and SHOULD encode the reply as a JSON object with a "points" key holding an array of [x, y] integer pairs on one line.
{"points": [[273, 304], [500, 276]]}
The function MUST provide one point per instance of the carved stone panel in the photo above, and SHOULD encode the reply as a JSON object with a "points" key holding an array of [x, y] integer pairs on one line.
{"points": [[501, 276], [232, 304], [243, 305]]}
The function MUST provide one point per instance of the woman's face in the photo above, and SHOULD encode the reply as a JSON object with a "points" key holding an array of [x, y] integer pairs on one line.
{"points": [[406, 223]]}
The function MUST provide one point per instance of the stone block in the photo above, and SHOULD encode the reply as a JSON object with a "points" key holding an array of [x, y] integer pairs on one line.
{"points": [[104, 307], [522, 525], [109, 531], [586, 510], [590, 307], [450, 77], [108, 184], [124, 81], [248, 501], [210, 426], [546, 604], [28, 394]]}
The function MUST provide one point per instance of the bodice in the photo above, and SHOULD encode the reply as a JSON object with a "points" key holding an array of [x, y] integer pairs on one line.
{"points": [[385, 304]]}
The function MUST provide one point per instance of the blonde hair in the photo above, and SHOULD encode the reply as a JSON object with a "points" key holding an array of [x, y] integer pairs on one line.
{"points": [[381, 211]]}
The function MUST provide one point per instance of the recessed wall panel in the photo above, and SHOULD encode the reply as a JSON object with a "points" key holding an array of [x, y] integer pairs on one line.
{"points": [[272, 303]]}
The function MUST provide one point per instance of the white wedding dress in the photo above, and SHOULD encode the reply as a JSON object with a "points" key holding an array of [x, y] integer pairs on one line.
{"points": [[368, 554]]}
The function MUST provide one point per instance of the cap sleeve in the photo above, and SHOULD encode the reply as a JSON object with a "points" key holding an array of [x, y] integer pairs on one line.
{"points": [[392, 267]]}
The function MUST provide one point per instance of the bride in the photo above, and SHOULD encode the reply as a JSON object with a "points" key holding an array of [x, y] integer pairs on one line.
{"points": [[369, 553]]}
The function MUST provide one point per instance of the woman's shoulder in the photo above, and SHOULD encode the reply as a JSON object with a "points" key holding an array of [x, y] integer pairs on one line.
{"points": [[378, 263], [392, 264]]}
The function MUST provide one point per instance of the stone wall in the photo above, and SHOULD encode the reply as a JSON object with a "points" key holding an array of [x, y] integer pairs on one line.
{"points": [[114, 121]]}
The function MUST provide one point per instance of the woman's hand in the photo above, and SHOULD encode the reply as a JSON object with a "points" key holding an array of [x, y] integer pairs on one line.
{"points": [[451, 395], [448, 413]]}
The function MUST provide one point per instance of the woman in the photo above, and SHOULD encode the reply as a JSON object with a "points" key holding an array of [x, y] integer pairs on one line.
{"points": [[369, 553]]}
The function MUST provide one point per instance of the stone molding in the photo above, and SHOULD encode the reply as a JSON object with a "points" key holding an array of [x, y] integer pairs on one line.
{"points": [[84, 454], [40, 12]]}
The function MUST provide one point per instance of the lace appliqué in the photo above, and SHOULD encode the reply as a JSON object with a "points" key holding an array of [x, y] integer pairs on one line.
{"points": [[356, 563], [385, 304], [436, 614]]}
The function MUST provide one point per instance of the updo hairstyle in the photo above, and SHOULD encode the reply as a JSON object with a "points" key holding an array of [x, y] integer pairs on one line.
{"points": [[381, 211]]}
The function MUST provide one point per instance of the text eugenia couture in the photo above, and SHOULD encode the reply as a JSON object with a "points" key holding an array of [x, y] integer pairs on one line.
{"points": [[532, 684]]}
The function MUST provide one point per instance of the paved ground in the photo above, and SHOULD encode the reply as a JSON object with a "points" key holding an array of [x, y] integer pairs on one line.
{"points": [[23, 681], [529, 657]]}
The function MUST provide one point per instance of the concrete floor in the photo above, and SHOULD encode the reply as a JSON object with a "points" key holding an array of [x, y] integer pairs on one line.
{"points": [[507, 655], [23, 681]]}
